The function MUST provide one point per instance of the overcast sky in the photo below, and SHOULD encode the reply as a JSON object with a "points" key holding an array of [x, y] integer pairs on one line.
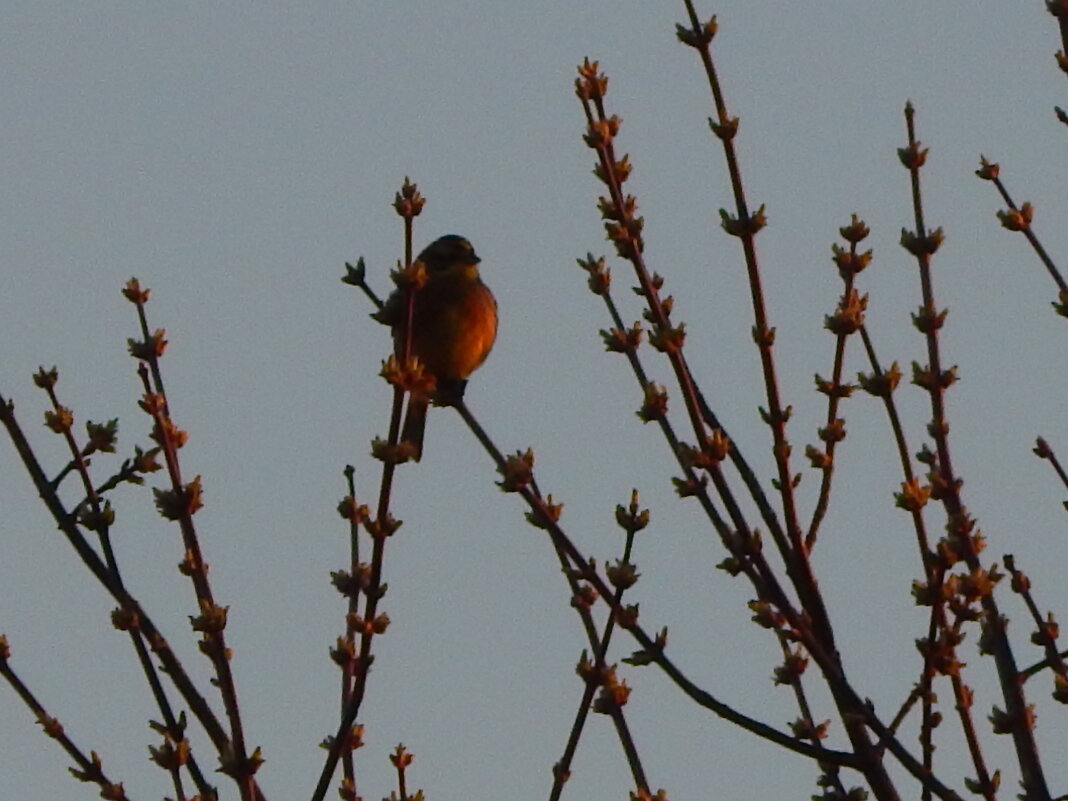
{"points": [[234, 156]]}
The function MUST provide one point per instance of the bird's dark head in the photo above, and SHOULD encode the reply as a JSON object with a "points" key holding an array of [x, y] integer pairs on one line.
{"points": [[447, 252]]}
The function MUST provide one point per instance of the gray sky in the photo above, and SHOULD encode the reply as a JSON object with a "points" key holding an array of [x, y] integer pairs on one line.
{"points": [[233, 157]]}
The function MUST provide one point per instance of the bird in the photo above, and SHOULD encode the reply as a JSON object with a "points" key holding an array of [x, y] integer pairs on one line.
{"points": [[454, 325]]}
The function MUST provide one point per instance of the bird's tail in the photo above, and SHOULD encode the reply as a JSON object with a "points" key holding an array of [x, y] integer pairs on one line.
{"points": [[450, 391], [415, 424]]}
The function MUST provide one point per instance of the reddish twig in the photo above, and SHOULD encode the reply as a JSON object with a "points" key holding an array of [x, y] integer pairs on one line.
{"points": [[1019, 218], [963, 540], [847, 319], [408, 203], [179, 504], [1044, 451], [90, 769]]}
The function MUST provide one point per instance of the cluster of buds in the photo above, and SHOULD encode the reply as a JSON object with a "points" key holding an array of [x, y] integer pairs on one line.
{"points": [[239, 767], [913, 156], [833, 433], [350, 585], [517, 471], [962, 593], [848, 261], [646, 657], [179, 503], [698, 37], [1012, 218], [408, 202], [881, 385], [713, 450], [962, 541], [941, 653], [792, 668], [93, 773], [1019, 218], [410, 376], [546, 515], [848, 317], [600, 277], [632, 518], [622, 340], [150, 349], [174, 752], [622, 224], [401, 757], [614, 691], [366, 627], [922, 245], [353, 741], [744, 545], [805, 729]]}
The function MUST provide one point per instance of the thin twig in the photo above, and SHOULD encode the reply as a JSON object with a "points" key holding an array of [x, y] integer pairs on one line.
{"points": [[408, 204], [91, 768], [922, 245]]}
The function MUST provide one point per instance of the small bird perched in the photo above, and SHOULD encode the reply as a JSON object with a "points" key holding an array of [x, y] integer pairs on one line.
{"points": [[454, 324]]}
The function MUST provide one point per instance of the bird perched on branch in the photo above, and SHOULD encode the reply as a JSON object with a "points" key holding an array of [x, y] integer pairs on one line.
{"points": [[454, 324]]}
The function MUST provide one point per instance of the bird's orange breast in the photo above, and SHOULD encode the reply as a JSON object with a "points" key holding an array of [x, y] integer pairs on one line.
{"points": [[454, 326]]}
